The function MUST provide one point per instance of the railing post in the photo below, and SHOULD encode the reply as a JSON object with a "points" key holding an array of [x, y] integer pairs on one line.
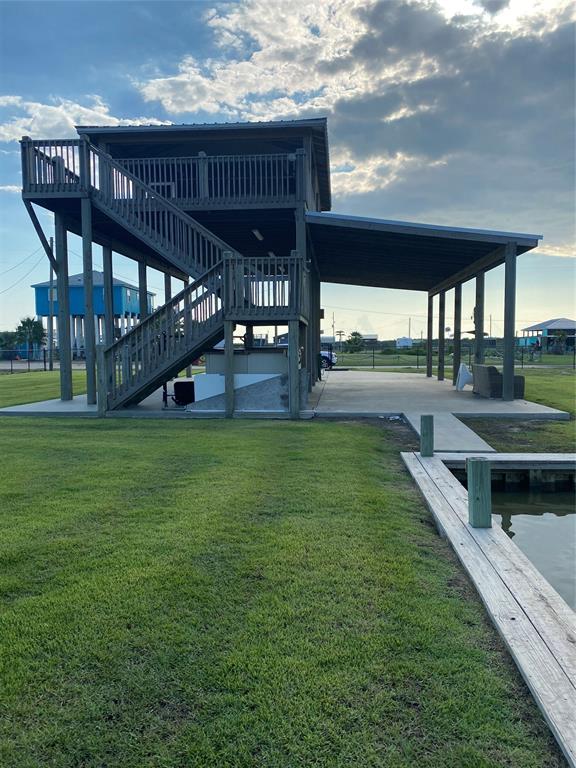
{"points": [[300, 176], [84, 162], [228, 281], [102, 380], [426, 435], [203, 186], [26, 158], [478, 474]]}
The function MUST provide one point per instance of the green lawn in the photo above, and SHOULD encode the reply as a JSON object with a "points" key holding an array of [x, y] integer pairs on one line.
{"points": [[554, 388], [243, 594], [18, 388]]}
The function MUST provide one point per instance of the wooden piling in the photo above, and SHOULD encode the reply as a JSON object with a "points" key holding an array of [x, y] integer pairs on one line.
{"points": [[427, 435], [478, 473]]}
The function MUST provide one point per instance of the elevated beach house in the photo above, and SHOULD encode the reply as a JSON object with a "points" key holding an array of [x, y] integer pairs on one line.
{"points": [[240, 214]]}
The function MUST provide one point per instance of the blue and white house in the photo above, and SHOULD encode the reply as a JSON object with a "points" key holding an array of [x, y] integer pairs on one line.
{"points": [[126, 299]]}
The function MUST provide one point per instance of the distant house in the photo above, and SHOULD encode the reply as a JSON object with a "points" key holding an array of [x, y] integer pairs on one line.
{"points": [[125, 299], [550, 333], [370, 340]]}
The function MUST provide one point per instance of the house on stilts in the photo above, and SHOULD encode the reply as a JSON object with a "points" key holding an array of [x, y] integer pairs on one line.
{"points": [[238, 212]]}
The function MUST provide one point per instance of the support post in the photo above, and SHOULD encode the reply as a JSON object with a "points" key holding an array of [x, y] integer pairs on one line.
{"points": [[479, 321], [88, 279], [509, 321], [427, 435], [430, 332], [457, 357], [478, 475], [108, 295], [142, 291], [167, 287], [249, 336], [51, 314], [441, 335], [229, 367], [294, 368], [101, 380], [64, 344]]}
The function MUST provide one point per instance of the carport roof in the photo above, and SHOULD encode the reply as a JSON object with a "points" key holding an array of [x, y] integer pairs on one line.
{"points": [[399, 254]]}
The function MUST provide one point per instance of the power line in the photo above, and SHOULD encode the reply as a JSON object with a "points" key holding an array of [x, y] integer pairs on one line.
{"points": [[21, 262], [23, 277]]}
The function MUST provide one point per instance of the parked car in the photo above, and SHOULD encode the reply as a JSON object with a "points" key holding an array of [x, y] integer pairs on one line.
{"points": [[328, 359]]}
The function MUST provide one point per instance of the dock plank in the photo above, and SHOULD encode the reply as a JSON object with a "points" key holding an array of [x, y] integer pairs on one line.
{"points": [[527, 634], [551, 615]]}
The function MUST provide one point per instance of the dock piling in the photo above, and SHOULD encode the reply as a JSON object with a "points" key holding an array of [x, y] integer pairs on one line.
{"points": [[478, 473]]}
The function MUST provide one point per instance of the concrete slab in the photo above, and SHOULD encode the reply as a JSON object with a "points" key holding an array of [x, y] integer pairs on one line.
{"points": [[77, 407], [372, 393]]}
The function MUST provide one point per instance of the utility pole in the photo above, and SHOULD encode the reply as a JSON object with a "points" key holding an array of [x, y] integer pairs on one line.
{"points": [[333, 326], [51, 314], [409, 327], [490, 326]]}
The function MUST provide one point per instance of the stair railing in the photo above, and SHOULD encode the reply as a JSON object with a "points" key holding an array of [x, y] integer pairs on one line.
{"points": [[165, 336], [152, 216]]}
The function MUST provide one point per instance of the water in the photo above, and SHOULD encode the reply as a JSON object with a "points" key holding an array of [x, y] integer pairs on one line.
{"points": [[543, 526]]}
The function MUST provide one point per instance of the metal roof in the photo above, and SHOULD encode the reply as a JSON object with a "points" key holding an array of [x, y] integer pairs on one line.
{"points": [[316, 127], [557, 324], [384, 253], [77, 281]]}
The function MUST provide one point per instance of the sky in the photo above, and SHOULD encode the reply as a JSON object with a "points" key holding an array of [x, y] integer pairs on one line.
{"points": [[452, 112]]}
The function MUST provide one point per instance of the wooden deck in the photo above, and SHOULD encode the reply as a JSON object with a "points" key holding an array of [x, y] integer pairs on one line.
{"points": [[536, 624]]}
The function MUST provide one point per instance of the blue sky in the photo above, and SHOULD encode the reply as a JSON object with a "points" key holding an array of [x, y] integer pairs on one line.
{"points": [[451, 112]]}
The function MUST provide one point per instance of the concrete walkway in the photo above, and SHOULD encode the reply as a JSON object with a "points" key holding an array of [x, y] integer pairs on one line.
{"points": [[362, 393]]}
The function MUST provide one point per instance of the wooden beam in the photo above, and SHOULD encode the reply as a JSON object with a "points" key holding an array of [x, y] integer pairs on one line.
{"points": [[64, 343], [294, 369], [479, 321], [229, 367], [509, 322], [429, 334], [89, 329], [441, 335], [457, 356], [41, 235], [142, 290], [491, 260], [108, 295], [167, 287]]}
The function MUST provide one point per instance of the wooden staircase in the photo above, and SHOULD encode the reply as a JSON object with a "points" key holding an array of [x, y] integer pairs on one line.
{"points": [[166, 341]]}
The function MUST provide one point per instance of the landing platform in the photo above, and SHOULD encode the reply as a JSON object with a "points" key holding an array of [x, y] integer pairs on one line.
{"points": [[345, 394]]}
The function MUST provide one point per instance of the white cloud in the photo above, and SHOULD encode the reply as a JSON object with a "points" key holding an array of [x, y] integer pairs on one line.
{"points": [[57, 119], [12, 189]]}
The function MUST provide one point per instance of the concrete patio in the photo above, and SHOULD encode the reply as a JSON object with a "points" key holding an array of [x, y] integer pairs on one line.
{"points": [[366, 393]]}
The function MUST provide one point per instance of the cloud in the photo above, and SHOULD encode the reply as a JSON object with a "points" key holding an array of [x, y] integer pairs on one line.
{"points": [[21, 117], [10, 188]]}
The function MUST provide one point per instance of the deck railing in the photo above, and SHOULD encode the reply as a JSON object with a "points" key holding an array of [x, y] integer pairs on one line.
{"points": [[54, 166], [219, 179], [51, 166], [265, 287]]}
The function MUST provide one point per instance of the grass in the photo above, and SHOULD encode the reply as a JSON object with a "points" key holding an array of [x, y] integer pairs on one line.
{"points": [[554, 388], [240, 594], [19, 388]]}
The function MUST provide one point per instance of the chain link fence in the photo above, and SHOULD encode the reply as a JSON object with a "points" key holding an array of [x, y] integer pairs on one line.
{"points": [[17, 361], [386, 355]]}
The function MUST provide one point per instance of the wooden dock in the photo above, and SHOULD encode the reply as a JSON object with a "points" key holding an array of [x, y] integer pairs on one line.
{"points": [[537, 625]]}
